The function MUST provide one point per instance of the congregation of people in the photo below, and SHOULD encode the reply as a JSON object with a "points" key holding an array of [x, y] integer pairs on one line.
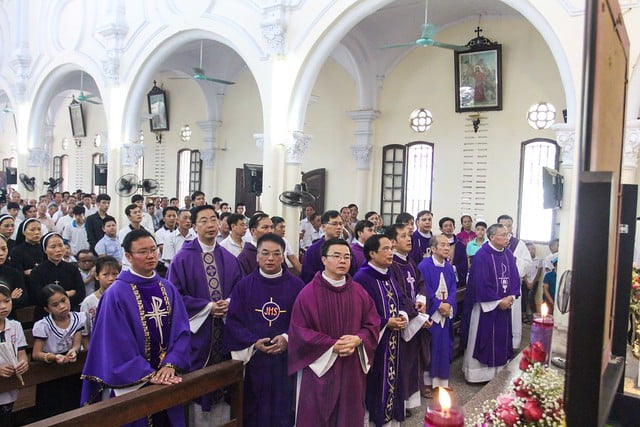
{"points": [[359, 324]]}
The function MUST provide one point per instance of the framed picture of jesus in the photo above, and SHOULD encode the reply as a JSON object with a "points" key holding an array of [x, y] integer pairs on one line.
{"points": [[479, 79]]}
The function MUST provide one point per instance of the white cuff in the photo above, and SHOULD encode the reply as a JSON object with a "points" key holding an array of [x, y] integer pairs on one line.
{"points": [[421, 298], [244, 355], [489, 305], [404, 314], [438, 318], [323, 363], [285, 336], [381, 333], [195, 323]]}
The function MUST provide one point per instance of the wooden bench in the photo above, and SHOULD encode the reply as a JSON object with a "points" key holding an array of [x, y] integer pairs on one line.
{"points": [[155, 398]]}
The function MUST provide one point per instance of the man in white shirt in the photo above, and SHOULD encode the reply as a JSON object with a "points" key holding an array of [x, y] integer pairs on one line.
{"points": [[89, 208], [554, 246], [170, 219], [530, 284], [313, 231], [233, 243], [183, 233], [304, 222]]}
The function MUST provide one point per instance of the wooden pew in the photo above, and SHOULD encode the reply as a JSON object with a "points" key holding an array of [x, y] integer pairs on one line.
{"points": [[40, 372], [151, 399]]}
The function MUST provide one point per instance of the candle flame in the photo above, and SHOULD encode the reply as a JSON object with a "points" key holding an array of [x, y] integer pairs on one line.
{"points": [[444, 399], [544, 310]]}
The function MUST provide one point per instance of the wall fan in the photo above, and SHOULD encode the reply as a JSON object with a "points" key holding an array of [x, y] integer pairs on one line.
{"points": [[129, 184], [200, 74], [53, 183], [426, 38], [298, 197], [29, 182]]}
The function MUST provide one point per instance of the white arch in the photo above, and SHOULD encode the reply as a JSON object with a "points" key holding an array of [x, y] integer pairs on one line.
{"points": [[341, 26], [165, 45]]}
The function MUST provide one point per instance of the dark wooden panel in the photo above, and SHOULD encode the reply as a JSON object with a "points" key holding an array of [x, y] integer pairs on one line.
{"points": [[316, 182]]}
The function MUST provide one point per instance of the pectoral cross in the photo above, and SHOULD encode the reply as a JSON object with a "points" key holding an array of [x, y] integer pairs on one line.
{"points": [[157, 314], [504, 280], [55, 282]]}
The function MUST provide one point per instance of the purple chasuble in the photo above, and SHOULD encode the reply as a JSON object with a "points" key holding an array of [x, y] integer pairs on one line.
{"points": [[312, 262], [358, 255], [493, 276], [321, 314], [420, 247], [248, 258], [385, 401], [441, 336], [261, 308], [415, 352], [141, 325], [200, 279], [460, 261]]}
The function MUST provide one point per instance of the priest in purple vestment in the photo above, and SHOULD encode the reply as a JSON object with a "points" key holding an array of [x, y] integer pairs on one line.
{"points": [[256, 333], [458, 250], [205, 274], [421, 238], [440, 281], [259, 225], [494, 284], [332, 339], [312, 262], [416, 337], [385, 401], [362, 231], [140, 334]]}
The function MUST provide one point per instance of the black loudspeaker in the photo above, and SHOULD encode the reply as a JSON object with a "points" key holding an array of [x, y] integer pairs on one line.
{"points": [[12, 175], [252, 178], [100, 174]]}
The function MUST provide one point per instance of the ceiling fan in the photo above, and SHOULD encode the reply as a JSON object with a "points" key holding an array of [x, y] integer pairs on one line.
{"points": [[426, 38], [85, 98], [200, 74]]}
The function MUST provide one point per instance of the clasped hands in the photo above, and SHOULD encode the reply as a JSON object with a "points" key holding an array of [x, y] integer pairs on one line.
{"points": [[277, 346], [8, 370], [397, 323], [506, 303], [346, 345], [220, 308]]}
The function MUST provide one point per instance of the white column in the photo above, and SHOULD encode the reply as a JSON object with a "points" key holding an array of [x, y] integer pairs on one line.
{"points": [[566, 139], [361, 152], [295, 146], [208, 155], [630, 153]]}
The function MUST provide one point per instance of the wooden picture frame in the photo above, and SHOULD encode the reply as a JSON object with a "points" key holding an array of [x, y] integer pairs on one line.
{"points": [[158, 108], [77, 119], [479, 79]]}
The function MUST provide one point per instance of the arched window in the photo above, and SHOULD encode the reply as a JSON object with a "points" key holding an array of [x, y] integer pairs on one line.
{"points": [[97, 159], [60, 169], [534, 222], [407, 178], [189, 172]]}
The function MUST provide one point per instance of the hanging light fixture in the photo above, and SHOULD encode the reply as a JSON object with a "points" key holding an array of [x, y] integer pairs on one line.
{"points": [[420, 120], [141, 137], [65, 143], [541, 115], [97, 141]]}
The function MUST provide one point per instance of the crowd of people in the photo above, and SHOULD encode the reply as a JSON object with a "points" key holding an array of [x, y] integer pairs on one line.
{"points": [[361, 318]]}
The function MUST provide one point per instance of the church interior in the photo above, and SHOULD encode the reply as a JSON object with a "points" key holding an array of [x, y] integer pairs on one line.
{"points": [[185, 95]]}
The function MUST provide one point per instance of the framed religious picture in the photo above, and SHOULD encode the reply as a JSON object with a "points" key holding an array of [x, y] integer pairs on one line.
{"points": [[77, 119], [157, 100], [479, 79]]}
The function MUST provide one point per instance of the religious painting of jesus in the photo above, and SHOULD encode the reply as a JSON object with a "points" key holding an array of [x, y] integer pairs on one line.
{"points": [[479, 79]]}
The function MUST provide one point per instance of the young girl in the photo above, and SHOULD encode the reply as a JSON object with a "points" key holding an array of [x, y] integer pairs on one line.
{"points": [[57, 338], [107, 269], [11, 333]]}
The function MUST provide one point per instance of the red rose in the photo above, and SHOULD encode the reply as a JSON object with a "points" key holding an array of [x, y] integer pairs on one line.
{"points": [[517, 382], [509, 416], [524, 363], [532, 411], [522, 392], [537, 353]]}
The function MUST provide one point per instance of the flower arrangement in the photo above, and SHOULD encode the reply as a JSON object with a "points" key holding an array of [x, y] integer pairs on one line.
{"points": [[634, 309], [534, 399]]}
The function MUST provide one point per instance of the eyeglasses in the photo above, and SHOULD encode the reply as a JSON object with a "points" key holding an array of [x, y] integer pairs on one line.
{"points": [[338, 257], [268, 254], [146, 252], [336, 224]]}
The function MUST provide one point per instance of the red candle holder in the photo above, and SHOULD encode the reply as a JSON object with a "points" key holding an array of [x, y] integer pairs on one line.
{"points": [[438, 417]]}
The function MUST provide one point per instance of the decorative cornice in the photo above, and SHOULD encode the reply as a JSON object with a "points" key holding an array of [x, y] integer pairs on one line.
{"points": [[631, 144], [114, 33], [259, 139], [275, 17], [131, 152], [297, 146], [361, 150], [566, 139]]}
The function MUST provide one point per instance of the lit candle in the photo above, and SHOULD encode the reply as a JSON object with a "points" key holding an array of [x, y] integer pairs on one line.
{"points": [[443, 413], [542, 330]]}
